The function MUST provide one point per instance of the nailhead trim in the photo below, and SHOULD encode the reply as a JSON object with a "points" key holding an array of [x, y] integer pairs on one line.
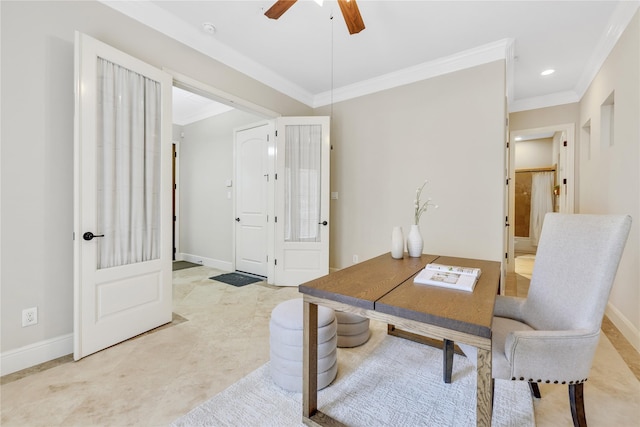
{"points": [[549, 381]]}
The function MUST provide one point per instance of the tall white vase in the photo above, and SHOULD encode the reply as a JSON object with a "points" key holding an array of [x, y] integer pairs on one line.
{"points": [[397, 243], [414, 241]]}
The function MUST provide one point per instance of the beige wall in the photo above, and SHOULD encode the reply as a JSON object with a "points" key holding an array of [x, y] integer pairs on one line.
{"points": [[608, 180], [386, 144], [609, 174], [37, 146], [207, 162]]}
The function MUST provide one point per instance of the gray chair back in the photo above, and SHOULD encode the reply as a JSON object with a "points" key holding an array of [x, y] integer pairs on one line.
{"points": [[576, 263]]}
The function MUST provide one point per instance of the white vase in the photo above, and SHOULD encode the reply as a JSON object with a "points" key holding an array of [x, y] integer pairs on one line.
{"points": [[414, 241], [397, 243]]}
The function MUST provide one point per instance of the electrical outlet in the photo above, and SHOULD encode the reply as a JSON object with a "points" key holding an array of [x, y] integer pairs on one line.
{"points": [[29, 316]]}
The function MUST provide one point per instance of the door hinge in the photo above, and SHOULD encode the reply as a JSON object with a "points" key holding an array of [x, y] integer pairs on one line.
{"points": [[275, 176], [175, 154], [276, 133], [275, 219], [506, 181], [564, 143], [507, 144], [506, 255], [174, 218], [175, 186], [506, 121], [267, 137], [564, 181], [275, 262]]}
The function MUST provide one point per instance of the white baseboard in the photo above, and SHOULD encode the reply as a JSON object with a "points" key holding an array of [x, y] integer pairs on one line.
{"points": [[34, 354], [209, 262], [626, 328]]}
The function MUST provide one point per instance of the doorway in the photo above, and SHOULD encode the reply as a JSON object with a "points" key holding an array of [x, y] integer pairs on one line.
{"points": [[205, 120], [557, 158]]}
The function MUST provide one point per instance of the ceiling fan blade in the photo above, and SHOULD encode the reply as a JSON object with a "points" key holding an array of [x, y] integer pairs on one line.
{"points": [[351, 15], [278, 8]]}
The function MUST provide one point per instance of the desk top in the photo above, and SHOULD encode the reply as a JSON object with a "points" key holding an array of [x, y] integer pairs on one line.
{"points": [[469, 312], [385, 284], [362, 284]]}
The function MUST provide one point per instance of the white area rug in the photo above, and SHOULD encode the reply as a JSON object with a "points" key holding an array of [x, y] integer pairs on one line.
{"points": [[397, 383]]}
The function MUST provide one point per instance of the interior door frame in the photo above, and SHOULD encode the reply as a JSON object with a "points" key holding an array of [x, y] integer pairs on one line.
{"points": [[185, 82], [176, 195], [569, 174]]}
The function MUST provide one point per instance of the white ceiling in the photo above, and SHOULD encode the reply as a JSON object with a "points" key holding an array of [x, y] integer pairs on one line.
{"points": [[312, 58], [189, 107]]}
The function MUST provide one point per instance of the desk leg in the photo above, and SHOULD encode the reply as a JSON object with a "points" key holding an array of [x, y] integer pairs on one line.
{"points": [[484, 406], [310, 361], [447, 360]]}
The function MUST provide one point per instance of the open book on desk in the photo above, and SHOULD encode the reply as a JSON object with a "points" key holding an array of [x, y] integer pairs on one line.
{"points": [[448, 276]]}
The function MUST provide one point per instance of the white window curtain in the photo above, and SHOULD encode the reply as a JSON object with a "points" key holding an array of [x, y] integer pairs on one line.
{"points": [[128, 166], [541, 202], [303, 145]]}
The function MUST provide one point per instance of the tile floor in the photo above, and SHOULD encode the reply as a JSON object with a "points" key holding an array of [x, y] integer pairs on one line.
{"points": [[220, 334]]}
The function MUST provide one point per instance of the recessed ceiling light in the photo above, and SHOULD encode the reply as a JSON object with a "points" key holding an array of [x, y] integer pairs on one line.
{"points": [[547, 72], [208, 28]]}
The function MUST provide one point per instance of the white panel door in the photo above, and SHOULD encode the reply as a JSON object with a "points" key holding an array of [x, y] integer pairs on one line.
{"points": [[122, 197], [302, 199], [252, 180]]}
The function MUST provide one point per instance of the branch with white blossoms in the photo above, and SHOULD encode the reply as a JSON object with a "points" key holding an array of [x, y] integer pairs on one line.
{"points": [[421, 208]]}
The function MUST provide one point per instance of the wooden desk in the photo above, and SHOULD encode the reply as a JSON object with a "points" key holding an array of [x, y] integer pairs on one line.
{"points": [[382, 288]]}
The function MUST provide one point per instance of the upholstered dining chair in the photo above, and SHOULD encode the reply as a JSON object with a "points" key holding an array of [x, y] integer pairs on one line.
{"points": [[551, 335]]}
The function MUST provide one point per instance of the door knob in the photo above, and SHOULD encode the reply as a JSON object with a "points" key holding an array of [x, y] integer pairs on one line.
{"points": [[237, 219], [323, 223], [89, 235]]}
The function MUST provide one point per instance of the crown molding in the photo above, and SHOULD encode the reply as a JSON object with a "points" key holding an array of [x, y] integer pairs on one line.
{"points": [[617, 24], [551, 100], [160, 20], [490, 52]]}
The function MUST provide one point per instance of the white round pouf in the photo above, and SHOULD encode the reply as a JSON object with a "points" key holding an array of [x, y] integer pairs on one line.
{"points": [[286, 330], [353, 330]]}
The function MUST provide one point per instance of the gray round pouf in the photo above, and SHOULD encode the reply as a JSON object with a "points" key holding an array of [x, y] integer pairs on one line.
{"points": [[353, 330], [286, 330]]}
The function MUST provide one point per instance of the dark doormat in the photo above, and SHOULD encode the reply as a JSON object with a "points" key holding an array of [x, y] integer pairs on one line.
{"points": [[181, 265], [236, 279]]}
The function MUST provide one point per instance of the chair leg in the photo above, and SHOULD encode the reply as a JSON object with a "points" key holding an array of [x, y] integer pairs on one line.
{"points": [[576, 400], [447, 360], [535, 390]]}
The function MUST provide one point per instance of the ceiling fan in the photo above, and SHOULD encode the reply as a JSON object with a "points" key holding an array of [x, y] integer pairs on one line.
{"points": [[349, 9]]}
